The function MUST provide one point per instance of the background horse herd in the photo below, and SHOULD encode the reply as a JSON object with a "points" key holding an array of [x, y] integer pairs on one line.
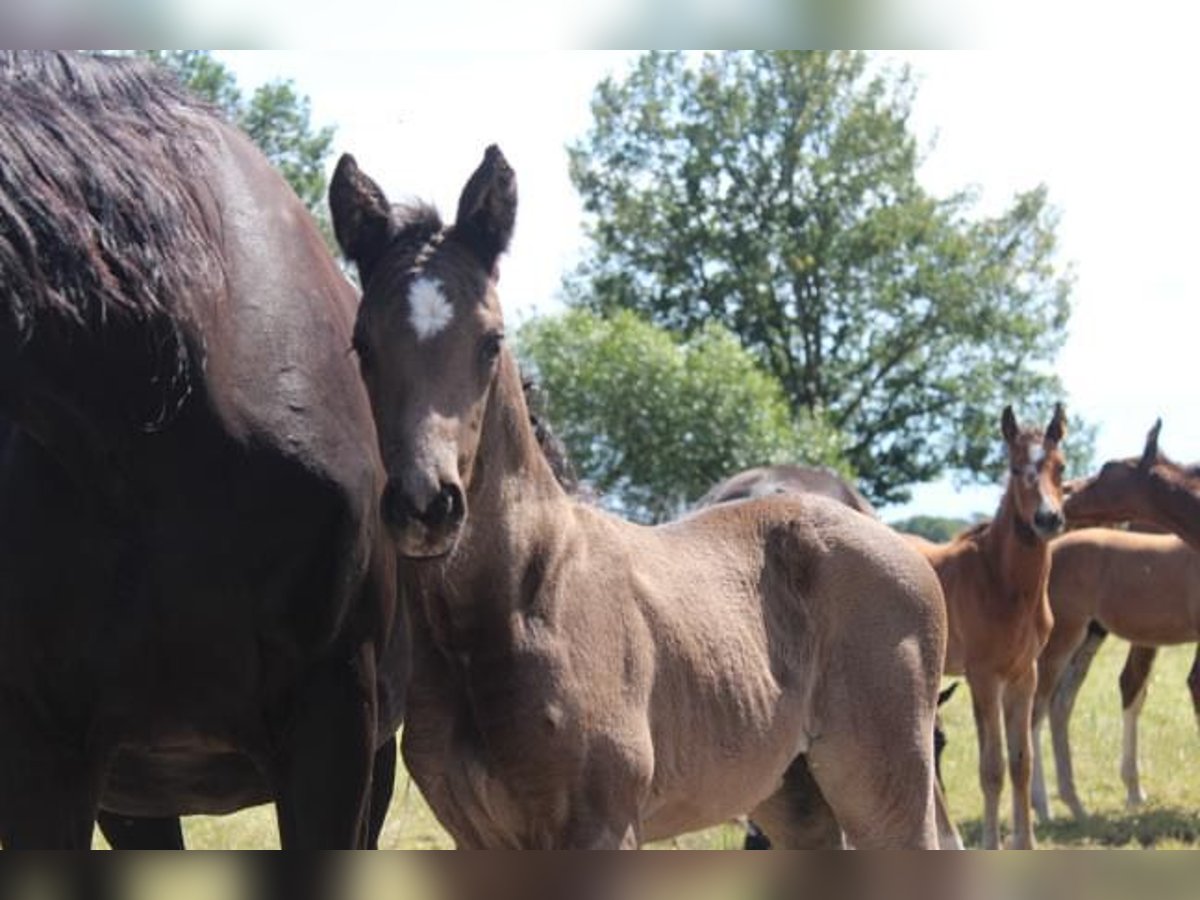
{"points": [[250, 524]]}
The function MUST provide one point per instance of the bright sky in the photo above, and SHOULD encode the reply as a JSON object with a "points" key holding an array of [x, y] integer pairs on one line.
{"points": [[1110, 132]]}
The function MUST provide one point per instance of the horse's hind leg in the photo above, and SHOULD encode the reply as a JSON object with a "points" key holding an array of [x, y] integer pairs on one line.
{"points": [[1062, 703], [1193, 681], [140, 833], [797, 816], [1061, 667], [1133, 682]]}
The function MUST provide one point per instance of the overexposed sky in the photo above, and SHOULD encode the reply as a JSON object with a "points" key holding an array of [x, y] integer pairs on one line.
{"points": [[1111, 132]]}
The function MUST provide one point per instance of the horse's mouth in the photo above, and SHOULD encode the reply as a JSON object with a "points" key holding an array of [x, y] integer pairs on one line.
{"points": [[416, 541]]}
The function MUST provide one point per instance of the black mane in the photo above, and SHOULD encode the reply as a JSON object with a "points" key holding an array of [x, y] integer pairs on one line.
{"points": [[101, 200]]}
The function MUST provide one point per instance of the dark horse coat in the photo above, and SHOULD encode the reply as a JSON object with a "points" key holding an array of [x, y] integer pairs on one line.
{"points": [[194, 598]]}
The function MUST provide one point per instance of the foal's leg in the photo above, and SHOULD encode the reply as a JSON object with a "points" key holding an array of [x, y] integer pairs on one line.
{"points": [[985, 703], [1056, 674], [1062, 704], [797, 816], [1134, 680], [324, 771], [1193, 681], [1018, 713]]}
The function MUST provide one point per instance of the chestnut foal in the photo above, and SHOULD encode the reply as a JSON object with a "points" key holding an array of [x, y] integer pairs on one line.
{"points": [[1149, 488], [1144, 588], [994, 577]]}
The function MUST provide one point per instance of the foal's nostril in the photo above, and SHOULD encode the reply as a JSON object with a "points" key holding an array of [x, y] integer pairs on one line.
{"points": [[446, 509], [1048, 520]]}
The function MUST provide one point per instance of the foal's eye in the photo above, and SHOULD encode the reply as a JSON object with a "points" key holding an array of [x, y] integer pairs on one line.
{"points": [[490, 348]]}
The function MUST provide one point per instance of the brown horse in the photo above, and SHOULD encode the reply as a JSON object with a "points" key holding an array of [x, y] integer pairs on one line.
{"points": [[1151, 489], [1144, 588], [581, 681], [994, 578], [765, 481], [195, 589]]}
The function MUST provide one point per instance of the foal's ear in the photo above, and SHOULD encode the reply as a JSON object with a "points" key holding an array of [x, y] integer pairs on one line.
{"points": [[1008, 425], [1150, 453], [487, 209], [362, 218], [1057, 429]]}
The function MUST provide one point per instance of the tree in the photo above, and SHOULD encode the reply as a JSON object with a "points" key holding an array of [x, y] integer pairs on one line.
{"points": [[776, 193], [275, 117], [938, 529], [652, 421]]}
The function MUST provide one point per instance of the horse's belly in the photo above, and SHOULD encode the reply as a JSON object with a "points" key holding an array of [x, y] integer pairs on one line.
{"points": [[721, 779], [176, 781], [1154, 621]]}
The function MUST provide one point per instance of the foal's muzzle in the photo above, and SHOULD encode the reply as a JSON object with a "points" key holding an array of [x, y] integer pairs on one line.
{"points": [[1048, 522], [423, 530]]}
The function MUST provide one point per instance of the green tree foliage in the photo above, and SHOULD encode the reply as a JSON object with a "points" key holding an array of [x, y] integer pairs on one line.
{"points": [[938, 529], [776, 193], [651, 420], [275, 116]]}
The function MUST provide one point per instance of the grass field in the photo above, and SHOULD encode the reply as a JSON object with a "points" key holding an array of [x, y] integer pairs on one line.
{"points": [[1170, 747]]}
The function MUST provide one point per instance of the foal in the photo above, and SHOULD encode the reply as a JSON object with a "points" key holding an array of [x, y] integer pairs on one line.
{"points": [[1149, 488], [581, 681], [994, 578], [1144, 588]]}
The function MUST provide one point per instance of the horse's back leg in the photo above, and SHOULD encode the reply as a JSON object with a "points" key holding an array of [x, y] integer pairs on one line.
{"points": [[1133, 681], [1063, 694], [1193, 681], [1070, 646], [140, 833], [797, 816]]}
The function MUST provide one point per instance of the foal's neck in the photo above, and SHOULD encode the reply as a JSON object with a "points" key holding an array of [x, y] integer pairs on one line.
{"points": [[1175, 503], [516, 513], [1020, 557]]}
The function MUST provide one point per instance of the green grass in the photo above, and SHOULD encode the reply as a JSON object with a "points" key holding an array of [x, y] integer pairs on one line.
{"points": [[1169, 748], [1170, 776]]}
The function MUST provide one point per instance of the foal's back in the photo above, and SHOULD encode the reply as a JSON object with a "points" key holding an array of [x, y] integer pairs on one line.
{"points": [[778, 624]]}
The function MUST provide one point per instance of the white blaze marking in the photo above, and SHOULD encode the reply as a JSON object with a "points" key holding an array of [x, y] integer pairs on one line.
{"points": [[429, 310]]}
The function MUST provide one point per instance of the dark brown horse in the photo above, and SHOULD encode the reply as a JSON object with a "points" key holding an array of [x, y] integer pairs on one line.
{"points": [[581, 681], [194, 589]]}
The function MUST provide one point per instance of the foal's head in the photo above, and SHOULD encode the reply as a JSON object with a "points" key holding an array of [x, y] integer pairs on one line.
{"points": [[1035, 472], [429, 337], [1120, 490]]}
